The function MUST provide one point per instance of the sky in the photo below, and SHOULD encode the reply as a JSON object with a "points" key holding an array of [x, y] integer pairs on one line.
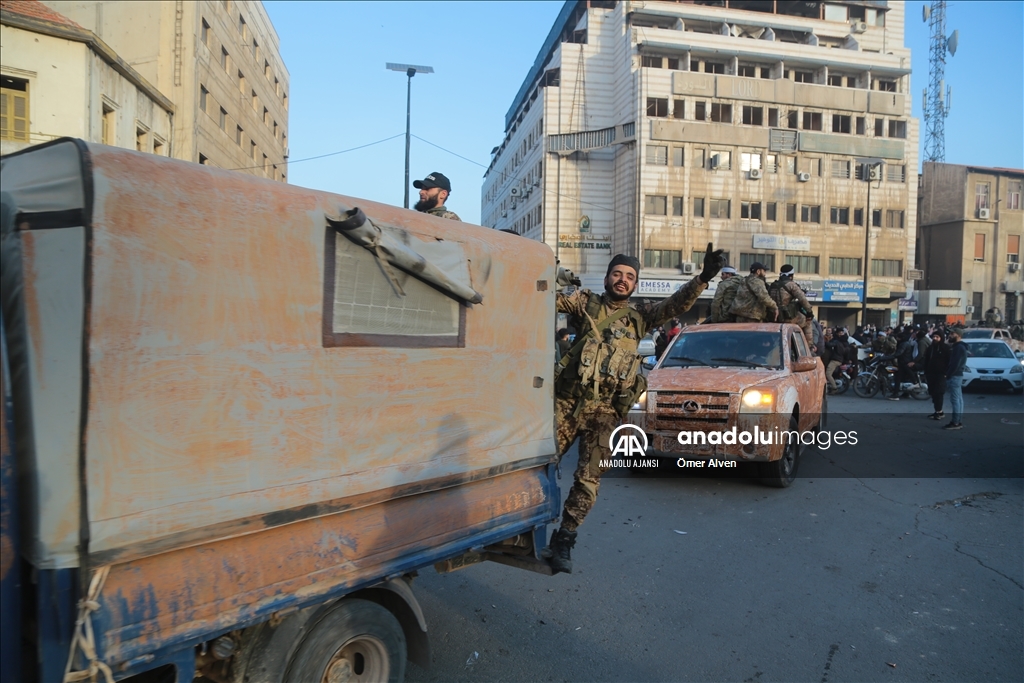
{"points": [[342, 97]]}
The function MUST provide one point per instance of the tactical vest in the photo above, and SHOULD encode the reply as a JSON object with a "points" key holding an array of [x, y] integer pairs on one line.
{"points": [[788, 305], [603, 364]]}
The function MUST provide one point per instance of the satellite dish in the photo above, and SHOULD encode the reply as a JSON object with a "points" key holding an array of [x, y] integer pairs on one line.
{"points": [[954, 40], [926, 12]]}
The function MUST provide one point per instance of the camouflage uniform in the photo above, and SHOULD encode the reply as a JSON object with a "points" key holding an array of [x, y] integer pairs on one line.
{"points": [[592, 420], [752, 302], [442, 212], [791, 299], [724, 296]]}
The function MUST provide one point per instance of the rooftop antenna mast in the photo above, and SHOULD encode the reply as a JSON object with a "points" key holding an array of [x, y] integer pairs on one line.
{"points": [[937, 96]]}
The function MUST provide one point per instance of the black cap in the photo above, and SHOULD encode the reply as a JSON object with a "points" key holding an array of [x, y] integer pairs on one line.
{"points": [[623, 260], [756, 266], [435, 179], [786, 270]]}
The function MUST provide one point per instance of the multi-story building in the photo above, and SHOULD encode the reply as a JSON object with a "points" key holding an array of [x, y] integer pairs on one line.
{"points": [[218, 61], [59, 79], [971, 224], [652, 128]]}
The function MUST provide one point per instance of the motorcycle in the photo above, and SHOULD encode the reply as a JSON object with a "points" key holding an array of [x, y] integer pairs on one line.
{"points": [[842, 378], [881, 377]]}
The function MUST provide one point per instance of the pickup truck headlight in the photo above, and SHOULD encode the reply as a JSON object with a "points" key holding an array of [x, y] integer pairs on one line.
{"points": [[757, 401], [641, 403]]}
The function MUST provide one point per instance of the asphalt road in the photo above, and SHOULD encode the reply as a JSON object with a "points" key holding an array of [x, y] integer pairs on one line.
{"points": [[914, 573]]}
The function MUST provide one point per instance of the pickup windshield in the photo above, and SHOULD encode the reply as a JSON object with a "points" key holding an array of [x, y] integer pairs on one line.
{"points": [[726, 348]]}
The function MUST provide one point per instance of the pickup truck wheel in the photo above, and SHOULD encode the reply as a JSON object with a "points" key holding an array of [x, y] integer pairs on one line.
{"points": [[356, 641], [781, 473], [823, 415]]}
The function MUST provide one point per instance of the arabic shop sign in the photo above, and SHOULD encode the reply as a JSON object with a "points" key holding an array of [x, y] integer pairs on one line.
{"points": [[906, 305], [602, 243], [842, 290], [782, 242]]}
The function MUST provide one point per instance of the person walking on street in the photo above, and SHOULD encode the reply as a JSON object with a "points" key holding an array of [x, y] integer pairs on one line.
{"points": [[434, 191], [936, 362], [598, 380], [955, 377], [752, 303]]}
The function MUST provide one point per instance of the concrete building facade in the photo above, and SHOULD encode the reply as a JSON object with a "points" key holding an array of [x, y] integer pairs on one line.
{"points": [[652, 128], [59, 79], [971, 227], [218, 61]]}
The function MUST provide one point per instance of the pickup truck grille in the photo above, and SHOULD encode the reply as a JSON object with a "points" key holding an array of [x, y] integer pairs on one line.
{"points": [[674, 409]]}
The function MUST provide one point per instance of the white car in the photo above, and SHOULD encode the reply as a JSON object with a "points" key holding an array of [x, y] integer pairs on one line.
{"points": [[991, 362]]}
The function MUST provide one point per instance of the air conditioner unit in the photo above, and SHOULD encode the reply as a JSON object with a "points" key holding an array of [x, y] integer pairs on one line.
{"points": [[1014, 267], [715, 161], [515, 192], [875, 172], [803, 177], [859, 26], [755, 174], [689, 268], [970, 309], [984, 214]]}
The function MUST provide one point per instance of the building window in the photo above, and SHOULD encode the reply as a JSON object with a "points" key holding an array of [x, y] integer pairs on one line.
{"points": [[1013, 188], [652, 62], [204, 95], [747, 260], [204, 33], [662, 258], [141, 140], [700, 111], [223, 120], [655, 205], [266, 69], [721, 160], [979, 246], [753, 116], [719, 208], [224, 59], [657, 107], [750, 210], [698, 256], [791, 119], [203, 160], [843, 266], [255, 101], [791, 213], [242, 28], [714, 68], [1013, 248], [698, 207], [886, 268], [810, 214], [835, 79], [721, 113], [858, 216], [266, 117], [898, 129], [876, 218], [253, 152], [839, 215], [840, 168], [771, 163], [241, 83], [803, 264], [108, 136], [158, 147], [896, 173], [790, 163], [677, 206], [812, 120], [803, 76], [677, 156], [879, 127], [885, 85], [749, 161], [770, 209], [657, 155], [814, 167], [679, 109], [840, 123], [861, 125], [238, 135], [773, 117], [699, 158], [982, 193], [14, 117]]}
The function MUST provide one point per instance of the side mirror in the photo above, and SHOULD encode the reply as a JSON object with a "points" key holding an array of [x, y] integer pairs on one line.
{"points": [[805, 364], [650, 361]]}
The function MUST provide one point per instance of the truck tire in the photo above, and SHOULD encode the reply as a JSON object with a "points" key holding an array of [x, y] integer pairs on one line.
{"points": [[781, 473], [357, 640]]}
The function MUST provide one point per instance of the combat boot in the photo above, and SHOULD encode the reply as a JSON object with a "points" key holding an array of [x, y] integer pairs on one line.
{"points": [[557, 552]]}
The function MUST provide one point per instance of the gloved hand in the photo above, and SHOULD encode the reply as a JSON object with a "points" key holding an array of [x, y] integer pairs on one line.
{"points": [[713, 262], [566, 277]]}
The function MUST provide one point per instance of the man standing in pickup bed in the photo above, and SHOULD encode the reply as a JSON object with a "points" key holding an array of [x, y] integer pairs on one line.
{"points": [[598, 381], [752, 303], [434, 190]]}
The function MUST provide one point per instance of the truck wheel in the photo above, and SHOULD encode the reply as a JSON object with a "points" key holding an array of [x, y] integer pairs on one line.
{"points": [[781, 473], [356, 641], [823, 415]]}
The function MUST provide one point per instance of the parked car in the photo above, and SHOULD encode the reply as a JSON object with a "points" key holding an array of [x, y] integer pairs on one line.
{"points": [[994, 333], [733, 378], [992, 363]]}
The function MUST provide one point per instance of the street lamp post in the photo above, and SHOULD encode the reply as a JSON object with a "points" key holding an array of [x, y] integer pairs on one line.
{"points": [[872, 170], [410, 71]]}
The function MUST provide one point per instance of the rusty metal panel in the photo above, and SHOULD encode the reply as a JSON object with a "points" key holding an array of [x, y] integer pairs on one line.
{"points": [[212, 397]]}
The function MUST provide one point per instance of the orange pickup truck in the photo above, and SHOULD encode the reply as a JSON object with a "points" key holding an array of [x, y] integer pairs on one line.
{"points": [[733, 393]]}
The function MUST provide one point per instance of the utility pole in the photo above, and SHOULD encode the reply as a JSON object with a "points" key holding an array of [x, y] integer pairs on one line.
{"points": [[937, 96], [871, 170], [410, 71]]}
